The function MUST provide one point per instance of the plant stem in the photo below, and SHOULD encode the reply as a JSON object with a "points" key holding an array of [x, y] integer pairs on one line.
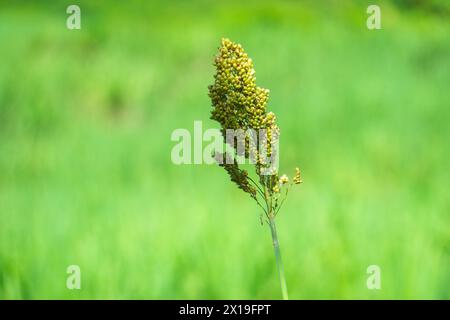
{"points": [[276, 248]]}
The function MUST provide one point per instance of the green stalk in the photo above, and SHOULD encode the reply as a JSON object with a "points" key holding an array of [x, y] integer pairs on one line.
{"points": [[276, 248]]}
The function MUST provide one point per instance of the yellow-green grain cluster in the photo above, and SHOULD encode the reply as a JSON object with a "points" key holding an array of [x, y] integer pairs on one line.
{"points": [[239, 104]]}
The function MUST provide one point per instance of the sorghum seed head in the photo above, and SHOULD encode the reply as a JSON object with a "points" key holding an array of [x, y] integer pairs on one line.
{"points": [[238, 103]]}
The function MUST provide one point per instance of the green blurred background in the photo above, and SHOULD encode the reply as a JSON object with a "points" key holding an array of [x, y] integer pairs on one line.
{"points": [[86, 176]]}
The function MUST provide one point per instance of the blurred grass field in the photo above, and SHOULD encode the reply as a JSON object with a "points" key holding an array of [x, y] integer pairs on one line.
{"points": [[86, 176]]}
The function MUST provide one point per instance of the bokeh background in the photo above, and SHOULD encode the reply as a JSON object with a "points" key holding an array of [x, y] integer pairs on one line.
{"points": [[86, 176]]}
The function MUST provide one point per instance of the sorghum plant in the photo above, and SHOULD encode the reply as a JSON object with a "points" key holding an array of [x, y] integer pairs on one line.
{"points": [[240, 105]]}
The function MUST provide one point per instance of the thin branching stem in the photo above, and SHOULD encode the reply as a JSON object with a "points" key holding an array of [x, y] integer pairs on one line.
{"points": [[282, 201], [257, 186], [259, 204]]}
